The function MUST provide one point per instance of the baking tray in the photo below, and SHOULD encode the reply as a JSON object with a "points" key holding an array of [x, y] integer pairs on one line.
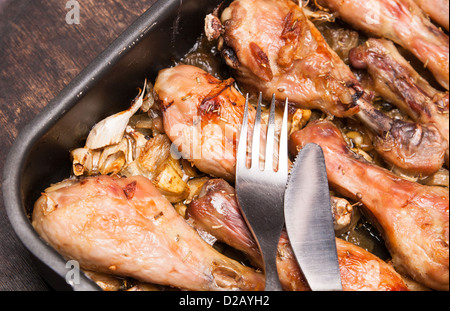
{"points": [[40, 154]]}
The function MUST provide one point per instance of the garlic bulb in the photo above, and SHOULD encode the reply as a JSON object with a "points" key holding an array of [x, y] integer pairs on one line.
{"points": [[111, 130]]}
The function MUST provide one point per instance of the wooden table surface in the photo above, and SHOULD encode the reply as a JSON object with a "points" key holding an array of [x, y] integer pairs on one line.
{"points": [[39, 55]]}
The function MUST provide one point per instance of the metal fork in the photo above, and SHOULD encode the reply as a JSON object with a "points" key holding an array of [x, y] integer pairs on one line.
{"points": [[260, 193]]}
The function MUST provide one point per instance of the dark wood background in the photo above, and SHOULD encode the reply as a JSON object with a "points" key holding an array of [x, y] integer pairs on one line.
{"points": [[39, 55]]}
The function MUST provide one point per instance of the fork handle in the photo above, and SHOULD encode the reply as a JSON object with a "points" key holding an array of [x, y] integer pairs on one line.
{"points": [[271, 274]]}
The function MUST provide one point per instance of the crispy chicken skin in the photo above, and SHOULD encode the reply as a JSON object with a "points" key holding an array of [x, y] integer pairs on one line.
{"points": [[216, 212], [363, 271], [403, 22], [412, 218], [396, 80], [124, 226], [275, 49], [202, 117]]}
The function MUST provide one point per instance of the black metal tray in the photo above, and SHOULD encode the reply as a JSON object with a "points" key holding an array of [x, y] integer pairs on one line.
{"points": [[40, 154]]}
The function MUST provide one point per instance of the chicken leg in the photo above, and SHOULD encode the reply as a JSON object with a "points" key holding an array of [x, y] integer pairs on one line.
{"points": [[412, 148], [125, 227], [403, 22], [394, 78], [216, 212], [412, 218], [202, 117], [273, 48]]}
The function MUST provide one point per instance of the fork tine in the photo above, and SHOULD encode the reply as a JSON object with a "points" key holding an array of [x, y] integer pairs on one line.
{"points": [[241, 158], [283, 150], [270, 138], [256, 139], [269, 202]]}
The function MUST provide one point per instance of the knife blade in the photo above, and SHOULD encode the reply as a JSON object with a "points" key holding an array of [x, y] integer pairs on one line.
{"points": [[309, 220]]}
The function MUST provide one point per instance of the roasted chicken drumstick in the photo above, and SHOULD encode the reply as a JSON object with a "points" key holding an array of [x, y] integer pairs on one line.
{"points": [[396, 80], [412, 218], [403, 22], [202, 117], [273, 48], [216, 212], [125, 227], [412, 148]]}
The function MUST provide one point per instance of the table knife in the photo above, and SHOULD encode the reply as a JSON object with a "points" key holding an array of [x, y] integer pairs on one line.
{"points": [[309, 220]]}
